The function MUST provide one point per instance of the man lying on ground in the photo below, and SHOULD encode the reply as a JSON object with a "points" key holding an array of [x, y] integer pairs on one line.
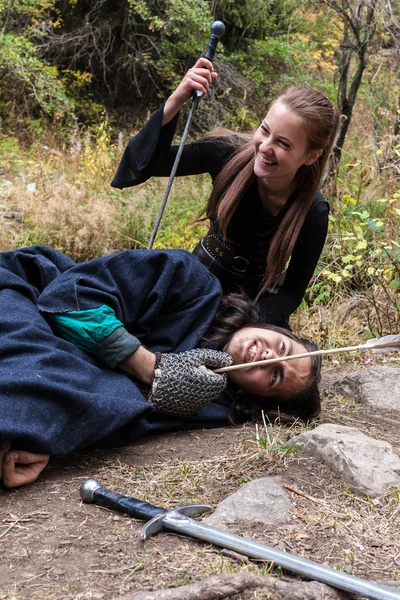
{"points": [[100, 353]]}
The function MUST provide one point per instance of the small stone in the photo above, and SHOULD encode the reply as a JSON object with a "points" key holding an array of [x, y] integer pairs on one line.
{"points": [[261, 500]]}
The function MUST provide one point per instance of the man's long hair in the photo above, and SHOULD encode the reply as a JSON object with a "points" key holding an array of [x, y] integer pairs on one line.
{"points": [[237, 311]]}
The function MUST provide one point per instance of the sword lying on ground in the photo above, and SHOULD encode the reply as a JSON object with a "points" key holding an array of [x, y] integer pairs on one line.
{"points": [[179, 521]]}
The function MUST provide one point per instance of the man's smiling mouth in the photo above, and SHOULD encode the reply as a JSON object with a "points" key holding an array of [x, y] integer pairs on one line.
{"points": [[252, 353]]}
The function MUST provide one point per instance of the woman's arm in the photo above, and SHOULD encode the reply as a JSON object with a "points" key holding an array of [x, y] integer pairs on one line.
{"points": [[198, 78], [149, 153]]}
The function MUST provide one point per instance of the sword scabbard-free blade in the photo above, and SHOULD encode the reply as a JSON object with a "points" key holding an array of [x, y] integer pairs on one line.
{"points": [[179, 521], [181, 524]]}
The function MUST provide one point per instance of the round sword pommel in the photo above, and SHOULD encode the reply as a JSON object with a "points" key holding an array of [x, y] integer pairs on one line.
{"points": [[88, 488], [218, 28]]}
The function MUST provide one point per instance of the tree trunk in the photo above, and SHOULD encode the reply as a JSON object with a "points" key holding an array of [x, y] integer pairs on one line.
{"points": [[358, 30]]}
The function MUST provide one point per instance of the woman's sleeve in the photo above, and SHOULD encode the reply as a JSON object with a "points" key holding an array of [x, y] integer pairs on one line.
{"points": [[143, 155], [149, 153], [278, 307]]}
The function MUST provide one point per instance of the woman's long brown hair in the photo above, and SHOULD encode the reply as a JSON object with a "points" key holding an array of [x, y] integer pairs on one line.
{"points": [[321, 121]]}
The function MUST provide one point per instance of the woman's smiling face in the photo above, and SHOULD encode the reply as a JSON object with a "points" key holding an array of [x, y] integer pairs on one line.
{"points": [[283, 379], [281, 145]]}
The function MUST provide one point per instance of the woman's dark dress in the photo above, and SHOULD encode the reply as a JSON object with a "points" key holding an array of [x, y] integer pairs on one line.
{"points": [[251, 229]]}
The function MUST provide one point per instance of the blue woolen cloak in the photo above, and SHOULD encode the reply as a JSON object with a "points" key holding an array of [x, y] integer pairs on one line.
{"points": [[55, 398]]}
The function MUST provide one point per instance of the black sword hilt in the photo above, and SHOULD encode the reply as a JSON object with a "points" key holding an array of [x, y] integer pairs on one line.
{"points": [[93, 492], [217, 31]]}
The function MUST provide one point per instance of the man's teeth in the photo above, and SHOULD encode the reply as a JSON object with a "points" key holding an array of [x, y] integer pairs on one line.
{"points": [[252, 353]]}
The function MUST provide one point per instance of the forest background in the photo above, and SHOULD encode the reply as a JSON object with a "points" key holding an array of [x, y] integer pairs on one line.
{"points": [[79, 77]]}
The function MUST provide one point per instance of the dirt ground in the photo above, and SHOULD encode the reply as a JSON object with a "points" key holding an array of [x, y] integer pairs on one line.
{"points": [[54, 546]]}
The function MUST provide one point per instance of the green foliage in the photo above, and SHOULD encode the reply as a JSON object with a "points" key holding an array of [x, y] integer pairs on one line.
{"points": [[363, 254], [28, 85], [250, 18], [13, 12], [181, 227], [165, 23], [9, 149], [31, 86], [171, 16], [269, 57]]}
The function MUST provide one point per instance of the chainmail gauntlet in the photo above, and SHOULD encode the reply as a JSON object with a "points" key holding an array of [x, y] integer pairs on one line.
{"points": [[183, 383]]}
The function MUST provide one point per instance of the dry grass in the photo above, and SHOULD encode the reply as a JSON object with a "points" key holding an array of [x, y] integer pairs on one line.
{"points": [[329, 524], [87, 552], [63, 198]]}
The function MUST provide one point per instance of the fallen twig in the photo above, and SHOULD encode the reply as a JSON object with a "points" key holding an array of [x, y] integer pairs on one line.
{"points": [[219, 587], [300, 493]]}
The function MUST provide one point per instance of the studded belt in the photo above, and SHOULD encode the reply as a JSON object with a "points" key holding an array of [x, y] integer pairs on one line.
{"points": [[230, 258]]}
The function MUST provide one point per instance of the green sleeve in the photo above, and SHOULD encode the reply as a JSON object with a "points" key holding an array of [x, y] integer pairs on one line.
{"points": [[97, 331]]}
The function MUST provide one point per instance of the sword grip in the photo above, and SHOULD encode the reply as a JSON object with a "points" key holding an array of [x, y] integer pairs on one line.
{"points": [[92, 492], [217, 30]]}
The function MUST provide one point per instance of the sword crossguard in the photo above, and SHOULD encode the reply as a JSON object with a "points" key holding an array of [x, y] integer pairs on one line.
{"points": [[156, 525], [179, 521], [93, 492]]}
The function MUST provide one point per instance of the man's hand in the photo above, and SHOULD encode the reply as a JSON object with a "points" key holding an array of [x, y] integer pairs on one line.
{"points": [[183, 383], [18, 467], [140, 364]]}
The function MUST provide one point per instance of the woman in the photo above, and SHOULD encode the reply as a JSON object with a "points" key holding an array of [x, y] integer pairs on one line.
{"points": [[145, 314], [265, 208]]}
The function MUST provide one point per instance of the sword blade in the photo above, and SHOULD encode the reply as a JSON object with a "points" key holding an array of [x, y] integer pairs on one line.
{"points": [[178, 523]]}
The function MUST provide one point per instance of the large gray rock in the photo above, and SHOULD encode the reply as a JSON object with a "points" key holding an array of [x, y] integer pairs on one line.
{"points": [[377, 386], [262, 500], [367, 465]]}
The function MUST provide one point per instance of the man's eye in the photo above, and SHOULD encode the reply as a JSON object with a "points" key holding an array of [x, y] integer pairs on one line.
{"points": [[274, 376]]}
